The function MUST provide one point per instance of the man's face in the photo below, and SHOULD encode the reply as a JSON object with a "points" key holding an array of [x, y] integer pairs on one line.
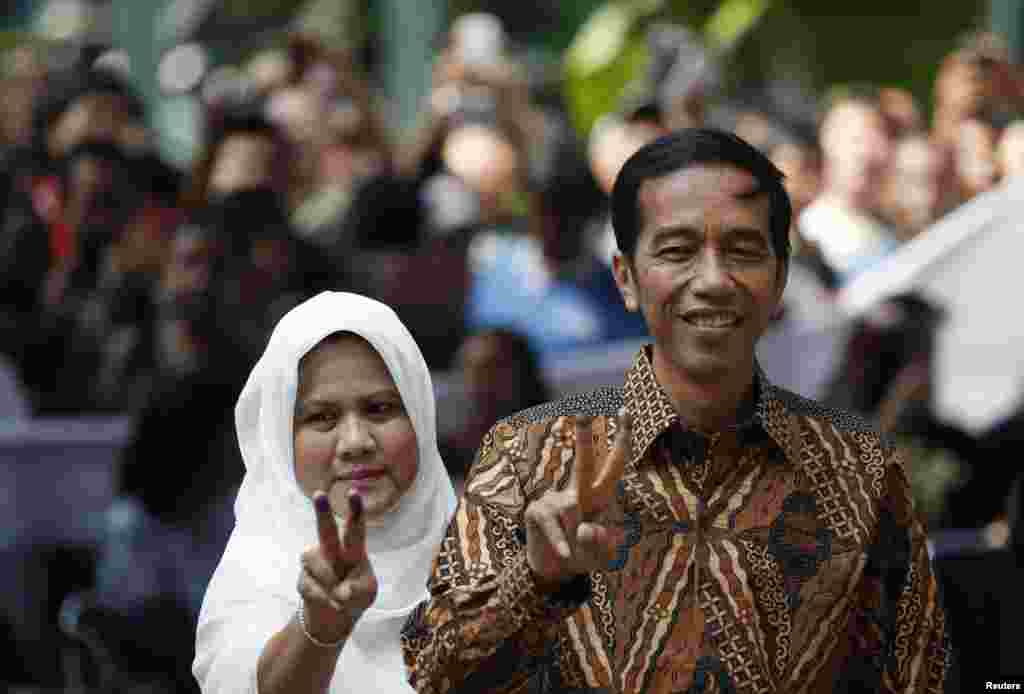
{"points": [[704, 272]]}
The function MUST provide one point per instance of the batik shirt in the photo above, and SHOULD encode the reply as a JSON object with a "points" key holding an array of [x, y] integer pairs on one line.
{"points": [[780, 556]]}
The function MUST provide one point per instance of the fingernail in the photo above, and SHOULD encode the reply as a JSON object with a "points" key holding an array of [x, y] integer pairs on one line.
{"points": [[321, 502], [563, 550]]}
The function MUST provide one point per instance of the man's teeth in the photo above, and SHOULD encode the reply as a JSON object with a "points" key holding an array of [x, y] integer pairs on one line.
{"points": [[716, 320]]}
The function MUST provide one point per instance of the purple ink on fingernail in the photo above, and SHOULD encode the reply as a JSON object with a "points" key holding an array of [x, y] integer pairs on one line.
{"points": [[322, 504]]}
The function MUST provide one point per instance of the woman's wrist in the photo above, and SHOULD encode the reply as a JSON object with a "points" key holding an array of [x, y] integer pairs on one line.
{"points": [[315, 637]]}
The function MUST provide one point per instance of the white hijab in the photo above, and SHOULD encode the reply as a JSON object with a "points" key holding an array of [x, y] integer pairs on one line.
{"points": [[253, 592]]}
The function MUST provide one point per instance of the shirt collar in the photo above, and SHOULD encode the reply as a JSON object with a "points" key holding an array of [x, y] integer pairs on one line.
{"points": [[653, 413]]}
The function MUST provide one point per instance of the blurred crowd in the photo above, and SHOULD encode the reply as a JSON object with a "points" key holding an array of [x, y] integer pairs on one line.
{"points": [[130, 286]]}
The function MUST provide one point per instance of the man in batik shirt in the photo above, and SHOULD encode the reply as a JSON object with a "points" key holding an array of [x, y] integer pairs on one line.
{"points": [[733, 538]]}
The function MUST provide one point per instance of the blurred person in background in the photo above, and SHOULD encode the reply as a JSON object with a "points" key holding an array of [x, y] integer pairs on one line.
{"points": [[974, 156], [87, 130], [239, 189], [544, 282], [801, 165], [844, 221], [981, 589], [353, 148], [921, 185], [1011, 151], [501, 374], [23, 77], [612, 141], [390, 253], [901, 110], [977, 80]]}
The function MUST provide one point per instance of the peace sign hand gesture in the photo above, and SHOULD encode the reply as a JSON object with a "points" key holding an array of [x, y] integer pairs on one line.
{"points": [[337, 582], [562, 538]]}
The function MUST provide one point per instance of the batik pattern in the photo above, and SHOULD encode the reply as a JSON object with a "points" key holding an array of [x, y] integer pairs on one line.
{"points": [[780, 556]]}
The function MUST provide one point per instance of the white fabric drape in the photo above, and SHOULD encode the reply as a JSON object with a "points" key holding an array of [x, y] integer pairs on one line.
{"points": [[253, 594]]}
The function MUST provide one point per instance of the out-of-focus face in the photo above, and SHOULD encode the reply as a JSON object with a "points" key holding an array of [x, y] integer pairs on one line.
{"points": [[486, 162], [704, 273], [802, 170], [1011, 150], [99, 117], [244, 161], [964, 86], [976, 164], [920, 186], [189, 268], [614, 144], [857, 151], [351, 428]]}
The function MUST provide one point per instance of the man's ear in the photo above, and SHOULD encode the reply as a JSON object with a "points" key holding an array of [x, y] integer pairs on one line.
{"points": [[622, 269]]}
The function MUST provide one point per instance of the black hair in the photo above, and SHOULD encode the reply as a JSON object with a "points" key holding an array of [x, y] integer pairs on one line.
{"points": [[691, 147], [521, 352]]}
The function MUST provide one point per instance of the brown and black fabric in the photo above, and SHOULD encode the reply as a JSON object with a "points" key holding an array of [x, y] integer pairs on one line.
{"points": [[782, 555]]}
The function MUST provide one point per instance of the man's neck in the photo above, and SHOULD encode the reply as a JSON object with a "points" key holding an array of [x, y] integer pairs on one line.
{"points": [[707, 406]]}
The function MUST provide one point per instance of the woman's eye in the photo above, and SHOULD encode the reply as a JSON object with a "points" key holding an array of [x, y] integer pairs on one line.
{"points": [[382, 408], [748, 251], [321, 418]]}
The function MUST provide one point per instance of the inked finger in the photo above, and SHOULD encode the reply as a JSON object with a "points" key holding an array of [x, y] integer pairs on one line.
{"points": [[327, 531]]}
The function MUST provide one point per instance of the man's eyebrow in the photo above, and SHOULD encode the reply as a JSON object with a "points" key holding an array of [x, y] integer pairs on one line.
{"points": [[673, 232]]}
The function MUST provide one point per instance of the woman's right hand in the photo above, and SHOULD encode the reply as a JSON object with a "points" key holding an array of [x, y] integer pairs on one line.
{"points": [[337, 582]]}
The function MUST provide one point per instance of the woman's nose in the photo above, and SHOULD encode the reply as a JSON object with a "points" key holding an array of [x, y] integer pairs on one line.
{"points": [[354, 438]]}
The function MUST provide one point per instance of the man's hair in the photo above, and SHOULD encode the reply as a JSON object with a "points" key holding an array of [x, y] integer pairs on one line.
{"points": [[692, 147]]}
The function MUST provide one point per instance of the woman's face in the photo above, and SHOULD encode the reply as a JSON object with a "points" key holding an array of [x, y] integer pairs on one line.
{"points": [[351, 429]]}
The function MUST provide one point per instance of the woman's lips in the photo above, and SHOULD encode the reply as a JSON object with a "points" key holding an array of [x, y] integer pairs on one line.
{"points": [[364, 473]]}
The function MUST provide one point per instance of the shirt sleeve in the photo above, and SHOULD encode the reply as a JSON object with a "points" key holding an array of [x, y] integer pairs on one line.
{"points": [[486, 626], [898, 609]]}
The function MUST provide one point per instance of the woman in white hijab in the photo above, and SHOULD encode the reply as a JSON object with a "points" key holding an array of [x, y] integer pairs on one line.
{"points": [[340, 410]]}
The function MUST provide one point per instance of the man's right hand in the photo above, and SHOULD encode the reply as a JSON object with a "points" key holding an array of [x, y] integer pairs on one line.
{"points": [[562, 539]]}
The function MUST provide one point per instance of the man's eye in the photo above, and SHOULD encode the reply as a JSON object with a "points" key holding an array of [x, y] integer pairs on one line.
{"points": [[675, 252]]}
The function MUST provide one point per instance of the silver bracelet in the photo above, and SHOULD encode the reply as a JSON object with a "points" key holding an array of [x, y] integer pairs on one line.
{"points": [[301, 614]]}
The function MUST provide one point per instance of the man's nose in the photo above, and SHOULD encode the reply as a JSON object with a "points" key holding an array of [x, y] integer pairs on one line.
{"points": [[354, 438], [711, 273]]}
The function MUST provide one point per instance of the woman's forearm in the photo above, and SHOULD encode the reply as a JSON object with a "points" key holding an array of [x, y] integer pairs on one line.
{"points": [[292, 664]]}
